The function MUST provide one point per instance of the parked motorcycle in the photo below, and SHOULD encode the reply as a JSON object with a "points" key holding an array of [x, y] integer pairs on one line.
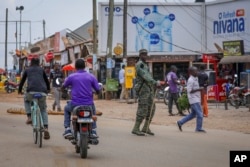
{"points": [[181, 88], [237, 95], [10, 86], [162, 93]]}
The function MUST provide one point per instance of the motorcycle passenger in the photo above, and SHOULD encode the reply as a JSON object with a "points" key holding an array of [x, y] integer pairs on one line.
{"points": [[82, 84], [37, 81]]}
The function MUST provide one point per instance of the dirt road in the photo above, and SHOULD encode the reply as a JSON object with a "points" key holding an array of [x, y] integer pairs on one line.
{"points": [[219, 118]]}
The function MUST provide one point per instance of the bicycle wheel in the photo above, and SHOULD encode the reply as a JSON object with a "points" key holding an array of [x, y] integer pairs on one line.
{"points": [[35, 135], [39, 129], [35, 132]]}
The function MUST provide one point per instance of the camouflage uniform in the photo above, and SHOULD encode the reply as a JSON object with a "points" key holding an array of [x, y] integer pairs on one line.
{"points": [[145, 88]]}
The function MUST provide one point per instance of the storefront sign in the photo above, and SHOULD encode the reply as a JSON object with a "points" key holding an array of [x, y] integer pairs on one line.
{"points": [[233, 48], [221, 89], [217, 92], [171, 58], [212, 93], [228, 21], [211, 58]]}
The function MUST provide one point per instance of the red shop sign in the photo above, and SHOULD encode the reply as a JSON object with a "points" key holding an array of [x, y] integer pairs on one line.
{"points": [[211, 58], [212, 92]]}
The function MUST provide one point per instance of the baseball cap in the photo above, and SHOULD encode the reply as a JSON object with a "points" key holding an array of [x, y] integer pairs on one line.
{"points": [[143, 51]]}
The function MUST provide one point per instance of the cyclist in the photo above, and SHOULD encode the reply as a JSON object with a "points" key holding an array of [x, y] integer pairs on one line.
{"points": [[82, 84], [37, 81]]}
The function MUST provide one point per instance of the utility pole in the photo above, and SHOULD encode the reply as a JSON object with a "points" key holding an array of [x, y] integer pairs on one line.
{"points": [[110, 39], [6, 40], [44, 35], [125, 9], [16, 36], [21, 8], [94, 38]]}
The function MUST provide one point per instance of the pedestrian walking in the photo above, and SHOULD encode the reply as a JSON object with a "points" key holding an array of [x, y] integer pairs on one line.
{"points": [[173, 95], [56, 77], [123, 94], [194, 98], [203, 82], [145, 88]]}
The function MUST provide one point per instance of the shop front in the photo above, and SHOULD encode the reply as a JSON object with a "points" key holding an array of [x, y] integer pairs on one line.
{"points": [[160, 65]]}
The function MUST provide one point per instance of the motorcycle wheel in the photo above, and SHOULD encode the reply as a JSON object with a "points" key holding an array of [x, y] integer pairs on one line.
{"points": [[7, 90], [84, 145], [232, 99], [77, 146], [166, 98]]}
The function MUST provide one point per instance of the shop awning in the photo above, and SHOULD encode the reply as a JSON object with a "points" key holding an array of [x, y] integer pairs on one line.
{"points": [[235, 59]]}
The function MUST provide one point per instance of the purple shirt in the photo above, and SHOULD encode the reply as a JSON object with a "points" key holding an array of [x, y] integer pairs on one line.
{"points": [[171, 76], [82, 84]]}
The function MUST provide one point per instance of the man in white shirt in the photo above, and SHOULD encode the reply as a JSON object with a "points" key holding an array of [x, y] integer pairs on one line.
{"points": [[122, 82], [194, 98]]}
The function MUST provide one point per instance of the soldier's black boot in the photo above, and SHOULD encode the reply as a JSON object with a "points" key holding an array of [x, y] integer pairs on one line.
{"points": [[136, 129], [146, 129]]}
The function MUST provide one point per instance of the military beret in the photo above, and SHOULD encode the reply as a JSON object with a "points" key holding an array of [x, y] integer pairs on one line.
{"points": [[143, 51]]}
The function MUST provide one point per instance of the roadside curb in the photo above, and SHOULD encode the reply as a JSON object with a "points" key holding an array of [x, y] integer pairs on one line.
{"points": [[21, 111]]}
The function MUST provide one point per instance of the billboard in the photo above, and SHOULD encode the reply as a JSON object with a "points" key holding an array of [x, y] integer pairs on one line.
{"points": [[228, 22], [161, 27], [233, 48]]}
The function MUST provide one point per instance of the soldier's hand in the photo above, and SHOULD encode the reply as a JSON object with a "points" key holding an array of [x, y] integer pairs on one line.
{"points": [[158, 83]]}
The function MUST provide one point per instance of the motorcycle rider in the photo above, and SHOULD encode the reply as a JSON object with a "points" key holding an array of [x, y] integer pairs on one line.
{"points": [[82, 84]]}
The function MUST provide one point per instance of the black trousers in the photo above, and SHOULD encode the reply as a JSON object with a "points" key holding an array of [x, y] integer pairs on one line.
{"points": [[173, 97]]}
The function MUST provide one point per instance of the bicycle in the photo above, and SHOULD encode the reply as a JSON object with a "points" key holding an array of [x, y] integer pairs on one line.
{"points": [[37, 121]]}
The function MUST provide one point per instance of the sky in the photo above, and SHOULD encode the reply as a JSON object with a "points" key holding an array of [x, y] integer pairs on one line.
{"points": [[58, 15]]}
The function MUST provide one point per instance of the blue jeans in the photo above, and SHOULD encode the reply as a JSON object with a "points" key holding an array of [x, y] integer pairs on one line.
{"points": [[26, 104], [196, 111], [67, 114], [42, 105]]}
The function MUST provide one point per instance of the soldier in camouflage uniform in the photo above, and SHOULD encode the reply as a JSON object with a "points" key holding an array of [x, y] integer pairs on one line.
{"points": [[145, 88]]}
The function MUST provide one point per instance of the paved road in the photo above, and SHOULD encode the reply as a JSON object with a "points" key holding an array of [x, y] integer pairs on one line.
{"points": [[118, 147]]}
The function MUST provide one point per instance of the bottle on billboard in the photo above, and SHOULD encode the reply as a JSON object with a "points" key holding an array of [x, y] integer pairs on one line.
{"points": [[154, 21], [140, 35], [154, 31], [166, 35]]}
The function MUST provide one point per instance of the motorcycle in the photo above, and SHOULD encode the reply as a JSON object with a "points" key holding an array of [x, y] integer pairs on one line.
{"points": [[237, 95], [66, 93], [162, 93], [82, 119], [10, 86]]}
